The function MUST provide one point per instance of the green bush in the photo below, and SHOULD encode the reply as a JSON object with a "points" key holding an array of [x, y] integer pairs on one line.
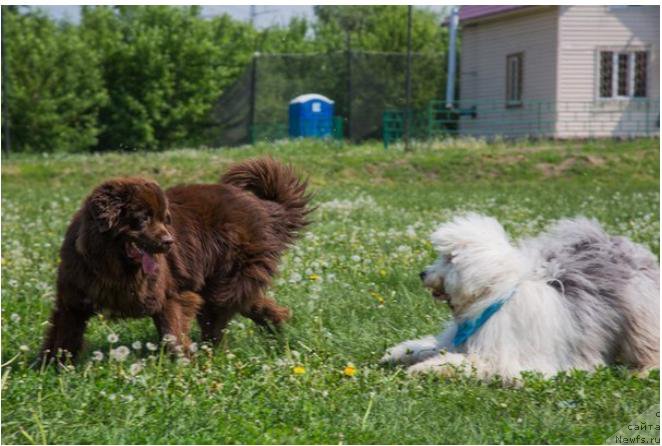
{"points": [[146, 78], [55, 90], [163, 68]]}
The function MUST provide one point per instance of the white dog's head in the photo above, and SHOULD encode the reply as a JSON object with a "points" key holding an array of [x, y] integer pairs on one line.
{"points": [[476, 261]]}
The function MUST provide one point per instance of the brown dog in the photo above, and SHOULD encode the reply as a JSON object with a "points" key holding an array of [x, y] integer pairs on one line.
{"points": [[210, 250]]}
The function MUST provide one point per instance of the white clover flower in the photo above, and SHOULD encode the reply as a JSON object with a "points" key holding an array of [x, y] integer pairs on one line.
{"points": [[193, 347], [151, 347], [169, 338], [135, 368], [97, 356], [137, 345], [24, 348], [295, 277], [113, 338], [15, 317], [356, 258], [120, 353], [184, 361], [112, 397], [127, 398]]}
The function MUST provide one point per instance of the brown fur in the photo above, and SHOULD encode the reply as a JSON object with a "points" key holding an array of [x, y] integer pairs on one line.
{"points": [[207, 251]]}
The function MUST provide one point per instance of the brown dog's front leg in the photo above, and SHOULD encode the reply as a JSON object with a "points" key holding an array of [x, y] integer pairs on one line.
{"points": [[175, 320], [64, 336]]}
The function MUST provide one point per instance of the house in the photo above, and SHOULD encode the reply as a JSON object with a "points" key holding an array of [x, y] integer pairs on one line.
{"points": [[560, 71]]}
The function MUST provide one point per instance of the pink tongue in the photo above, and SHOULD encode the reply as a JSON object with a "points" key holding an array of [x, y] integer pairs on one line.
{"points": [[149, 264]]}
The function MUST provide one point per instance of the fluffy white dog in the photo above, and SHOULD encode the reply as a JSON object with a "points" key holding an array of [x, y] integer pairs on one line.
{"points": [[571, 298]]}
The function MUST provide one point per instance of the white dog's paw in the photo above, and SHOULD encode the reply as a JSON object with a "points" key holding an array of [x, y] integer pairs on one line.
{"points": [[446, 365], [410, 352]]}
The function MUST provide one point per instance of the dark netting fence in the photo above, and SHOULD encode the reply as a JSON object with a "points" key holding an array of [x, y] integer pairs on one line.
{"points": [[363, 85]]}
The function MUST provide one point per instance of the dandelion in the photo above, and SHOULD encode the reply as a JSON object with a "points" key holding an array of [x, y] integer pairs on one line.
{"points": [[113, 338], [151, 347], [97, 356], [349, 370], [169, 338], [137, 345], [314, 277], [15, 318], [120, 353], [378, 297], [135, 368], [298, 370]]}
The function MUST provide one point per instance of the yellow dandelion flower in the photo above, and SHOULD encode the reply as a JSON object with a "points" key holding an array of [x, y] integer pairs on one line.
{"points": [[382, 273], [378, 297], [299, 370], [314, 277], [349, 370]]}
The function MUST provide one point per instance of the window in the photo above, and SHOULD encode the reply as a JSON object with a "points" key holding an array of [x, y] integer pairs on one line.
{"points": [[623, 74], [514, 80]]}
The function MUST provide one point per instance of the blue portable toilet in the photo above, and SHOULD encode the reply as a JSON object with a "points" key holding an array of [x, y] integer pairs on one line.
{"points": [[311, 116]]}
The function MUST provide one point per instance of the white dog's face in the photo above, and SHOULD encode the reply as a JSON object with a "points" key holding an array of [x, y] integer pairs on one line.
{"points": [[474, 257], [443, 281]]}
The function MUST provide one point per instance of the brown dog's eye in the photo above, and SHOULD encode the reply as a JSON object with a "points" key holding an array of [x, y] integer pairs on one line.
{"points": [[139, 221]]}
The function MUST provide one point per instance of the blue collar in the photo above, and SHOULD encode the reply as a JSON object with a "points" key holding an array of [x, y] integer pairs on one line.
{"points": [[467, 328]]}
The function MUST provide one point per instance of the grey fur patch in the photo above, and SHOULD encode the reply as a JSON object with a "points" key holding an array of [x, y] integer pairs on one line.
{"points": [[612, 288]]}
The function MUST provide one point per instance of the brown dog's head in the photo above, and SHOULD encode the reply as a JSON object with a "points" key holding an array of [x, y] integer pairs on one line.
{"points": [[133, 211]]}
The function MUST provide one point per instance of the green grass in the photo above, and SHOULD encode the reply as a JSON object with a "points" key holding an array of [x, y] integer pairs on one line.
{"points": [[352, 283]]}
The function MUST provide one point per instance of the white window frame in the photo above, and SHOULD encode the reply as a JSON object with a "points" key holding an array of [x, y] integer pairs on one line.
{"points": [[631, 52]]}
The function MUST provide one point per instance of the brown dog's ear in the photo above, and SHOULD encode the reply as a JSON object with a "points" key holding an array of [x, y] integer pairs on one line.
{"points": [[106, 203]]}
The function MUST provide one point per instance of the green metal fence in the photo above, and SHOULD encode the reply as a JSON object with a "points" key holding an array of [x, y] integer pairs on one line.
{"points": [[527, 119]]}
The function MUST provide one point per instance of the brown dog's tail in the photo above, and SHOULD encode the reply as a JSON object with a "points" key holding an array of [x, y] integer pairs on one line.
{"points": [[271, 180]]}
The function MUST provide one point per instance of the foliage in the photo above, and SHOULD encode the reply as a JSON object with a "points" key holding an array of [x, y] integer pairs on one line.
{"points": [[352, 283], [379, 28], [54, 87], [138, 77], [163, 69]]}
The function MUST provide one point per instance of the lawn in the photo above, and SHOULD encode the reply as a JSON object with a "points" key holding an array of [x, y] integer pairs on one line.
{"points": [[352, 284]]}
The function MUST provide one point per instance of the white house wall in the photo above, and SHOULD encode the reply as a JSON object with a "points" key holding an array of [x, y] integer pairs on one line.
{"points": [[583, 31], [485, 46]]}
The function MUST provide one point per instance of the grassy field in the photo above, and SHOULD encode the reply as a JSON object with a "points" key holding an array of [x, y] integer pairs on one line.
{"points": [[352, 283]]}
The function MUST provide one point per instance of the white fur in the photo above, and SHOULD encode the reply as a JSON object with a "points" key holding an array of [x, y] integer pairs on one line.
{"points": [[540, 328]]}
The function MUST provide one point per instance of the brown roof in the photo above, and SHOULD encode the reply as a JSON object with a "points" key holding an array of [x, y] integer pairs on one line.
{"points": [[476, 12]]}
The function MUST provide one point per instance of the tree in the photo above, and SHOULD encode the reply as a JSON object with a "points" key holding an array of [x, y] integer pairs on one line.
{"points": [[163, 67], [55, 86], [379, 28]]}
